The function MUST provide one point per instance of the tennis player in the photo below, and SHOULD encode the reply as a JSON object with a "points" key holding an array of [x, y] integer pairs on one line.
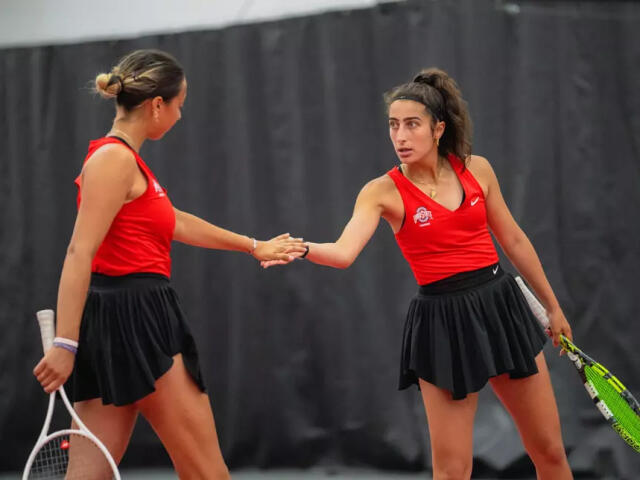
{"points": [[134, 351], [469, 323]]}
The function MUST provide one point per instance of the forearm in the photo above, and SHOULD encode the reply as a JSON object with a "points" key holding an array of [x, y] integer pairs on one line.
{"points": [[329, 254], [524, 257], [195, 231], [72, 294], [343, 252], [358, 231]]}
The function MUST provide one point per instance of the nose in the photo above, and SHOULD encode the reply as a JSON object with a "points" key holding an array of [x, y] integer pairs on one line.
{"points": [[401, 134]]}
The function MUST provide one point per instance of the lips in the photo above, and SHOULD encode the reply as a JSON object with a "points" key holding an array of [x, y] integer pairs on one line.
{"points": [[404, 152]]}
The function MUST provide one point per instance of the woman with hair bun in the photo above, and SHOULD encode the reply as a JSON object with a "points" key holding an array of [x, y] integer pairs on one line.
{"points": [[135, 352], [469, 323]]}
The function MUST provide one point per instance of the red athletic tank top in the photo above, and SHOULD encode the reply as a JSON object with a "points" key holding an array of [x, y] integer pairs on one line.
{"points": [[438, 242], [139, 239]]}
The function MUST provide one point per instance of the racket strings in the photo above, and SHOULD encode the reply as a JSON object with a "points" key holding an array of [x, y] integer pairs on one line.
{"points": [[615, 400], [52, 459], [70, 457]]}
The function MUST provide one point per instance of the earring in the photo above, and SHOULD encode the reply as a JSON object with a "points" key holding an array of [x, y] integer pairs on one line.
{"points": [[155, 115], [437, 141]]}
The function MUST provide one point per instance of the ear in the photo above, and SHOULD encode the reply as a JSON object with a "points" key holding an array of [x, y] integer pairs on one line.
{"points": [[438, 129], [156, 102]]}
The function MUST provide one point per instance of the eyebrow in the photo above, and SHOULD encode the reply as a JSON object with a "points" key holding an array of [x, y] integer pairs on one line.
{"points": [[404, 119]]}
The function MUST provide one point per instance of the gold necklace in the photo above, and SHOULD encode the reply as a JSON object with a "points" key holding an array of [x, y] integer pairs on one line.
{"points": [[432, 189], [431, 186]]}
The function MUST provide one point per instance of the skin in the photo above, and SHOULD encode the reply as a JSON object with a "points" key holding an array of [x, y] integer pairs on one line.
{"points": [[109, 179], [530, 400]]}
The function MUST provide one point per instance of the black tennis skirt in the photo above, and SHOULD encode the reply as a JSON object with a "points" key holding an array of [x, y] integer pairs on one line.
{"points": [[464, 329], [131, 328]]}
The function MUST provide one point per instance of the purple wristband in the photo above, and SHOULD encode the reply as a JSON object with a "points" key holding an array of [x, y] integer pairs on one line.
{"points": [[70, 348]]}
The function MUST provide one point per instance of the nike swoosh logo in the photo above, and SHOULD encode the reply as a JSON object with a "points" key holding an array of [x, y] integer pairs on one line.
{"points": [[495, 270], [474, 201]]}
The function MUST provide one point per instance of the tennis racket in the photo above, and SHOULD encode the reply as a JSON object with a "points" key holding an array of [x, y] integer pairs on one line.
{"points": [[71, 453], [612, 398]]}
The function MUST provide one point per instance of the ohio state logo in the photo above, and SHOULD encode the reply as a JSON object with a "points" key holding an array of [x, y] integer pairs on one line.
{"points": [[159, 190], [422, 217]]}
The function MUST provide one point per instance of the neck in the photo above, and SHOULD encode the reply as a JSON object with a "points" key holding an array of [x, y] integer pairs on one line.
{"points": [[427, 170], [130, 132]]}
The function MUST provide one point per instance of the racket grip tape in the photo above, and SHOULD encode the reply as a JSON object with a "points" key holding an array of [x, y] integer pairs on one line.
{"points": [[46, 320], [534, 304]]}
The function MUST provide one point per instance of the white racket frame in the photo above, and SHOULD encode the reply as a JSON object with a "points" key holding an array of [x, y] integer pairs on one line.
{"points": [[46, 320], [541, 314]]}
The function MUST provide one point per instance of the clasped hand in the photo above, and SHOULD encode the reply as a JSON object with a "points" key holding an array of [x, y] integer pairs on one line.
{"points": [[281, 249]]}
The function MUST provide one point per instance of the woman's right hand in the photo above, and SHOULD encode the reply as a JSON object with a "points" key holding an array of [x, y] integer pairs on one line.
{"points": [[283, 247], [54, 368]]}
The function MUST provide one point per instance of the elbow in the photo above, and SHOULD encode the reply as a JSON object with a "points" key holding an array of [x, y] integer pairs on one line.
{"points": [[333, 255], [344, 262], [81, 252], [513, 243]]}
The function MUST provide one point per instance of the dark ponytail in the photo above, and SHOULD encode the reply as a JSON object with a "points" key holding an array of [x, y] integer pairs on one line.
{"points": [[440, 94]]}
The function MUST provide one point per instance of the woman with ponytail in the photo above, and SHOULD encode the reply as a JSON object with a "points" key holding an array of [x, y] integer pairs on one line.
{"points": [[469, 323], [124, 343]]}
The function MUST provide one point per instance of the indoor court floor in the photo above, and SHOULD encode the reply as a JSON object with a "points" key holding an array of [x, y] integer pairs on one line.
{"points": [[313, 474]]}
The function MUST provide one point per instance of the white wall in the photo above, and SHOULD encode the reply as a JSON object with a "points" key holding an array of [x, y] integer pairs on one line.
{"points": [[36, 22]]}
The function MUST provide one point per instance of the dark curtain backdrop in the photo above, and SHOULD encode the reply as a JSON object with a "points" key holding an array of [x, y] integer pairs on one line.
{"points": [[284, 123]]}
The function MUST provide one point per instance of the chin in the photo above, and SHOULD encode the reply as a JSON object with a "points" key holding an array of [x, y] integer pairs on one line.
{"points": [[157, 136], [408, 160]]}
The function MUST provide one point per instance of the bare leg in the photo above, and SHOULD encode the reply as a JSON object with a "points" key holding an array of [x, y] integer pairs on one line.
{"points": [[112, 425], [181, 416], [451, 432], [532, 404]]}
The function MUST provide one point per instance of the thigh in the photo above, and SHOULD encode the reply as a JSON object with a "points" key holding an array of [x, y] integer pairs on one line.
{"points": [[112, 425], [532, 404], [450, 429], [181, 415]]}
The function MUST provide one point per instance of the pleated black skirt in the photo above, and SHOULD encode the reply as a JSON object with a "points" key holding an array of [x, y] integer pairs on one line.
{"points": [[465, 329], [131, 328]]}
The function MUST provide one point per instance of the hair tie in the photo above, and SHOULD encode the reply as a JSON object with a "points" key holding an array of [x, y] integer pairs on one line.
{"points": [[425, 80], [115, 78]]}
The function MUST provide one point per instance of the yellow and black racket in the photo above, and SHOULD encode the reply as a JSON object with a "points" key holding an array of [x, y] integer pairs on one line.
{"points": [[612, 398]]}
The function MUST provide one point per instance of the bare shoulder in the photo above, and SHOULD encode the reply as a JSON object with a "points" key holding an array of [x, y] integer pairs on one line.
{"points": [[480, 165], [379, 185], [111, 158], [482, 171], [379, 190]]}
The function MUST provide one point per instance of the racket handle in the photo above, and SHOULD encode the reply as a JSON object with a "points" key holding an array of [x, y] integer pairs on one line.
{"points": [[47, 328], [534, 304]]}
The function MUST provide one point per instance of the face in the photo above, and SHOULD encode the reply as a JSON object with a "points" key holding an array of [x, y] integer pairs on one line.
{"points": [[166, 114], [410, 129]]}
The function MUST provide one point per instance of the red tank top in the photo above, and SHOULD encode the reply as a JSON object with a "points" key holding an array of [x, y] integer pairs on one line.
{"points": [[139, 239], [438, 242]]}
